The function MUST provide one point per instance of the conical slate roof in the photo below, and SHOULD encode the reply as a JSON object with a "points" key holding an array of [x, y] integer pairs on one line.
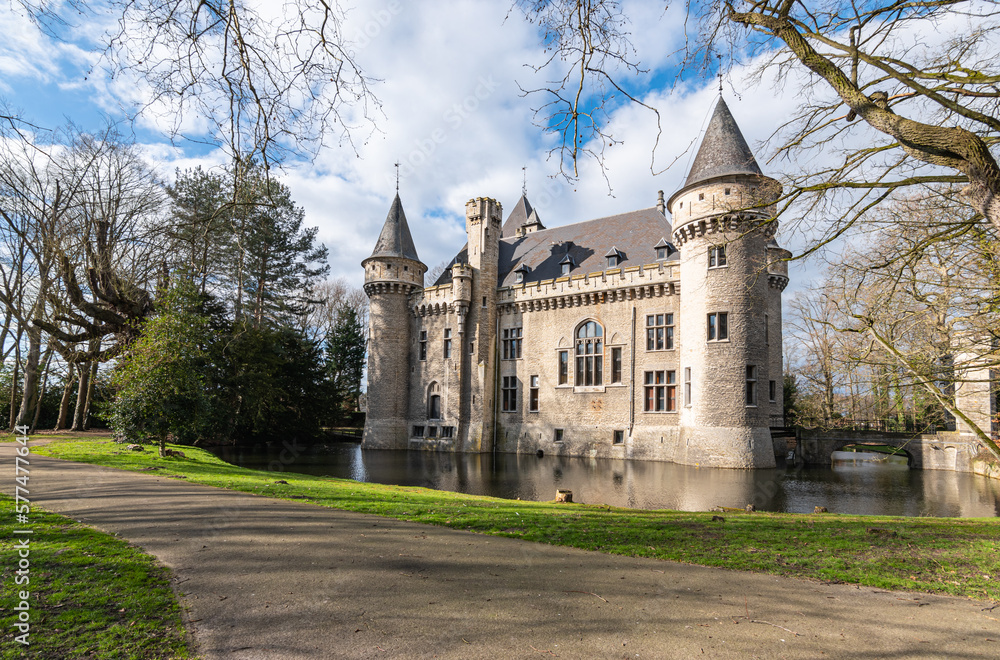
{"points": [[519, 216], [723, 151], [395, 239]]}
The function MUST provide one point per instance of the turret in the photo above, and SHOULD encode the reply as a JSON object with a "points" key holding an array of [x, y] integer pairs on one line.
{"points": [[482, 226], [722, 228], [392, 273]]}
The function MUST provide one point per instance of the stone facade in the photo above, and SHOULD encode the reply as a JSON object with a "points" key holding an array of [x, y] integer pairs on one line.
{"points": [[621, 337]]}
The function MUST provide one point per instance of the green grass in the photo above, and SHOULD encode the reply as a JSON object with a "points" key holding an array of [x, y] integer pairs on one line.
{"points": [[91, 595], [958, 556]]}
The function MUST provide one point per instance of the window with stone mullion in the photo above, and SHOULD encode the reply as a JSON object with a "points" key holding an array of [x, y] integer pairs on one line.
{"points": [[590, 355]]}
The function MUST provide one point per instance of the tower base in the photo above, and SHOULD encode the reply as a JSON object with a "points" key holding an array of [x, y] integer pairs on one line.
{"points": [[722, 447]]}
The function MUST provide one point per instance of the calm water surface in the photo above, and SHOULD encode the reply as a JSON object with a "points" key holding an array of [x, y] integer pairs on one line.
{"points": [[847, 487]]}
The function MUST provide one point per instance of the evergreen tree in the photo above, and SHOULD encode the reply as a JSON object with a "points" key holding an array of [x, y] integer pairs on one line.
{"points": [[280, 260], [274, 383], [345, 360], [161, 378], [200, 230]]}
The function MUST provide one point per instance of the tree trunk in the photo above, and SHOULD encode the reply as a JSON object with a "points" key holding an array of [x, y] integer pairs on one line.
{"points": [[13, 381], [81, 397], [46, 361], [90, 393], [67, 394], [85, 389], [29, 394]]}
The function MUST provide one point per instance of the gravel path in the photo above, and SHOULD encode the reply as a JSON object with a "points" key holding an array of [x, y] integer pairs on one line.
{"points": [[273, 579]]}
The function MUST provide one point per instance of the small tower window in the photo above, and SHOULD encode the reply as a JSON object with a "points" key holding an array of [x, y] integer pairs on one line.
{"points": [[423, 345], [447, 343], [687, 386], [751, 385], [717, 256], [565, 269], [661, 253], [718, 326], [701, 197], [727, 191]]}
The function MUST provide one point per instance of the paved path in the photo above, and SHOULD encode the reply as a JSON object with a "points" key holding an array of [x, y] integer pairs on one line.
{"points": [[281, 580]]}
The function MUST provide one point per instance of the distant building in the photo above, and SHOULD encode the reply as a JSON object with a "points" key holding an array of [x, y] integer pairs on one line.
{"points": [[619, 337]]}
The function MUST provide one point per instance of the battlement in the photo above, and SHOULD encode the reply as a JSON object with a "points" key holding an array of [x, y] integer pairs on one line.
{"points": [[480, 207]]}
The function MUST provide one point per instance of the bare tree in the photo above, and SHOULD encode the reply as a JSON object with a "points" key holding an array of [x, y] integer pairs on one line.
{"points": [[329, 297], [588, 47], [264, 76], [929, 105]]}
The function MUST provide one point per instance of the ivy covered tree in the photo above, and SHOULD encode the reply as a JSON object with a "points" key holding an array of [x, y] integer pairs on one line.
{"points": [[161, 378]]}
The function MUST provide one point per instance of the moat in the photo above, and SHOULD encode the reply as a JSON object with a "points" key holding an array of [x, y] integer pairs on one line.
{"points": [[872, 489]]}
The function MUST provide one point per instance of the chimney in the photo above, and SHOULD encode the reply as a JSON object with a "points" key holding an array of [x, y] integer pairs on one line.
{"points": [[660, 205]]}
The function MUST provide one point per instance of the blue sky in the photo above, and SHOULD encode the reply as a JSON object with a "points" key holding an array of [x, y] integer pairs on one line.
{"points": [[454, 118]]}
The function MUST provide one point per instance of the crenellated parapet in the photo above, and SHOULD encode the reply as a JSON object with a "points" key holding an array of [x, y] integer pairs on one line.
{"points": [[483, 208], [613, 285]]}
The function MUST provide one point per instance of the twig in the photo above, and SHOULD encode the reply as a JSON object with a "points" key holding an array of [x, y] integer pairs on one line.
{"points": [[776, 626], [574, 591], [545, 651], [990, 609]]}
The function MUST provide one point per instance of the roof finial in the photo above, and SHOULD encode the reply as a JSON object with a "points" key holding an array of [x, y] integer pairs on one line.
{"points": [[719, 57], [397, 177], [524, 181]]}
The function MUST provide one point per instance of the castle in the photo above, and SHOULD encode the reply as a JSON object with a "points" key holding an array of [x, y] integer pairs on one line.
{"points": [[620, 337]]}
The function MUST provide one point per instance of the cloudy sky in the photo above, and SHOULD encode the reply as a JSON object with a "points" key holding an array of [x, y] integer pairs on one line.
{"points": [[449, 73]]}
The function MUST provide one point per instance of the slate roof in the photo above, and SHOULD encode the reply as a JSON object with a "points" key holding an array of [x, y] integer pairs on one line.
{"points": [[395, 239], [634, 234], [521, 215], [723, 151]]}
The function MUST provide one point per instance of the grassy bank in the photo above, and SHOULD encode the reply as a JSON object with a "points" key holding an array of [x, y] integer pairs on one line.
{"points": [[91, 594], [943, 555]]}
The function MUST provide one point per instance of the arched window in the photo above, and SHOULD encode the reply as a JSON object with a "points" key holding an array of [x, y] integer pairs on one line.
{"points": [[434, 401], [590, 354]]}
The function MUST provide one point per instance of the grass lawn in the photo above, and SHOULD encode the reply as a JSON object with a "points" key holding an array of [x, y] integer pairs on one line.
{"points": [[958, 556], [91, 595]]}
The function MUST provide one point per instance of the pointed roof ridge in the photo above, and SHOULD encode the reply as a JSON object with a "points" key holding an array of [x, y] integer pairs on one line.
{"points": [[395, 239], [723, 150], [518, 216]]}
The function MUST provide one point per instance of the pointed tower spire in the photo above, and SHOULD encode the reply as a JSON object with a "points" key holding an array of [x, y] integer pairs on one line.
{"points": [[395, 239], [723, 151]]}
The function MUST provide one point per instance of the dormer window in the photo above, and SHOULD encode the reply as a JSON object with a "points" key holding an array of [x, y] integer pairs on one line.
{"points": [[566, 265], [664, 249], [519, 274], [614, 257]]}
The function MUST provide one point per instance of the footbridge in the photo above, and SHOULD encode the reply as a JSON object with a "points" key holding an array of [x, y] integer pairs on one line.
{"points": [[946, 450]]}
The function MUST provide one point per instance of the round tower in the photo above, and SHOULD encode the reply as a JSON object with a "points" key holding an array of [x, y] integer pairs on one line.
{"points": [[392, 273], [725, 319]]}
